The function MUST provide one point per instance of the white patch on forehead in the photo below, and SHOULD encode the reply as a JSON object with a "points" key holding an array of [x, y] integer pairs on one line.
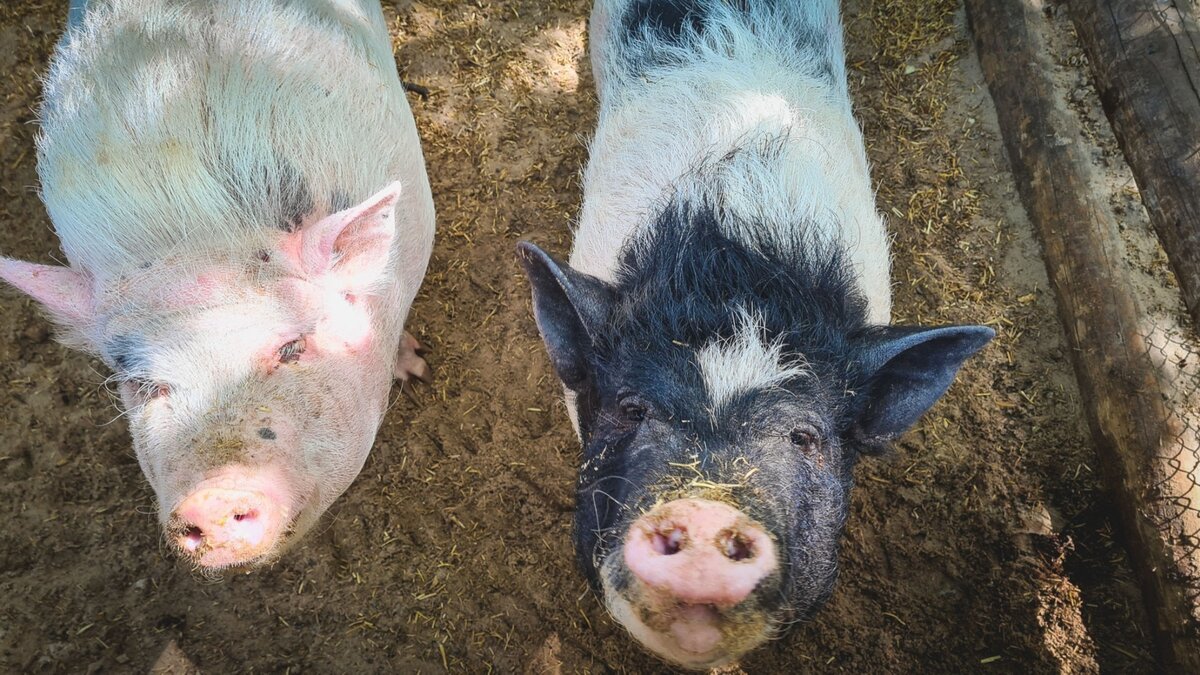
{"points": [[744, 363]]}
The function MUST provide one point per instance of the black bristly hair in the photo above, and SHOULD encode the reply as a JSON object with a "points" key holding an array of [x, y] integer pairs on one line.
{"points": [[659, 33], [666, 20], [685, 281], [127, 354]]}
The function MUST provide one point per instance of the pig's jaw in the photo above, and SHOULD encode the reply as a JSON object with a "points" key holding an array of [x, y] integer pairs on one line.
{"points": [[697, 637]]}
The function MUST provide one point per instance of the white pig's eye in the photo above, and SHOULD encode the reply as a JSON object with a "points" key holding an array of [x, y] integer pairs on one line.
{"points": [[290, 352], [805, 438]]}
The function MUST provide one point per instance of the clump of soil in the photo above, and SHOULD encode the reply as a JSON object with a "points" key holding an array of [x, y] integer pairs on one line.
{"points": [[980, 543]]}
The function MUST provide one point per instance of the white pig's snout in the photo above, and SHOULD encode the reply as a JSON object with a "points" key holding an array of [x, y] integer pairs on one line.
{"points": [[237, 518]]}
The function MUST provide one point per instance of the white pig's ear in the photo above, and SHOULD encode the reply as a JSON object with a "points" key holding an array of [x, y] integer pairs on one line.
{"points": [[569, 307], [354, 244], [908, 369], [65, 293]]}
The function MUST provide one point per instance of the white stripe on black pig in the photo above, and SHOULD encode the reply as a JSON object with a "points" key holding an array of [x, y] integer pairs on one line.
{"points": [[721, 331], [240, 192]]}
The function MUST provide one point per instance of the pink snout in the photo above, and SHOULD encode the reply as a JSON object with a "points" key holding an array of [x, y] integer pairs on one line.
{"points": [[224, 526], [699, 552]]}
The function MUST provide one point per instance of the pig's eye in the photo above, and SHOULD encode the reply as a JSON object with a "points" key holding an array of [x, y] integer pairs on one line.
{"points": [[290, 353], [805, 438], [633, 410]]}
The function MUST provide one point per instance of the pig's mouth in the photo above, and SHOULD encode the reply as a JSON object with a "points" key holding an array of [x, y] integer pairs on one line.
{"points": [[695, 636], [244, 554], [244, 543]]}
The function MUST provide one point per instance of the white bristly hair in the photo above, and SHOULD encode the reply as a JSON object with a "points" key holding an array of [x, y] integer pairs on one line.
{"points": [[679, 137], [169, 127], [744, 363]]}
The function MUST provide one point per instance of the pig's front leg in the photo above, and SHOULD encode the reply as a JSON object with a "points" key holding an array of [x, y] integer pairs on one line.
{"points": [[409, 363]]}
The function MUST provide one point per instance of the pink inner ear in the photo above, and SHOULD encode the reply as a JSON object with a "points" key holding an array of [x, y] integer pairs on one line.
{"points": [[64, 292], [356, 242]]}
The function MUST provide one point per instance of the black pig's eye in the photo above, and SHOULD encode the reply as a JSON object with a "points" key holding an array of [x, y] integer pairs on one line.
{"points": [[805, 438], [633, 410]]}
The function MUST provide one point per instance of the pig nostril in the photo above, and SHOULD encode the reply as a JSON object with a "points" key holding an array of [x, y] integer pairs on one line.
{"points": [[249, 515], [669, 543], [192, 538], [736, 547]]}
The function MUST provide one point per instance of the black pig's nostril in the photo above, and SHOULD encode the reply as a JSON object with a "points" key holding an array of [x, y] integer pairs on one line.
{"points": [[736, 547], [669, 543]]}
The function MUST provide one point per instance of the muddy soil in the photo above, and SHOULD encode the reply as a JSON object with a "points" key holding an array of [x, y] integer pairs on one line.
{"points": [[982, 543]]}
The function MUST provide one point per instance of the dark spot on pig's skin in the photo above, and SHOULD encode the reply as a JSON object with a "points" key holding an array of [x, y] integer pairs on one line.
{"points": [[665, 20], [127, 353], [266, 434], [340, 201], [295, 200], [277, 193]]}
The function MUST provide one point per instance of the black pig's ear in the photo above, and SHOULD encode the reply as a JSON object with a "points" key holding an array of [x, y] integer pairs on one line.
{"points": [[569, 306], [906, 370]]}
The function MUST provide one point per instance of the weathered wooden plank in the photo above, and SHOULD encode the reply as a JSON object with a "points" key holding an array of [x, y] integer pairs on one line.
{"points": [[1145, 60], [1119, 384]]}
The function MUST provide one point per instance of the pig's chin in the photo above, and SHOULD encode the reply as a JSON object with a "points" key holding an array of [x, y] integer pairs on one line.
{"points": [[218, 563], [698, 637]]}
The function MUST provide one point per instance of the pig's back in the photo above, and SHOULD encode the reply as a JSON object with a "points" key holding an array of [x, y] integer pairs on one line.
{"points": [[752, 117], [170, 127]]}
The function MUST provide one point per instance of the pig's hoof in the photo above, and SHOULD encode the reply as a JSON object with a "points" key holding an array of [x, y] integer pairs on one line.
{"points": [[417, 89], [409, 363]]}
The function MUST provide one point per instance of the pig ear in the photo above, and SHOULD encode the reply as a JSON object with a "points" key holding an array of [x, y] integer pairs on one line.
{"points": [[65, 293], [354, 244], [907, 370], [569, 307]]}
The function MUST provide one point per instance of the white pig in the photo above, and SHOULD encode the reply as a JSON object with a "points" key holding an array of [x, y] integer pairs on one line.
{"points": [[240, 192]]}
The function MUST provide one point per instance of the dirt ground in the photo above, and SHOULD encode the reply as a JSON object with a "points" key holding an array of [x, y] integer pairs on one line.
{"points": [[982, 544]]}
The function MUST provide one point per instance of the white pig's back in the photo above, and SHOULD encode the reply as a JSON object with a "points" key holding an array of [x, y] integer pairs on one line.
{"points": [[173, 127]]}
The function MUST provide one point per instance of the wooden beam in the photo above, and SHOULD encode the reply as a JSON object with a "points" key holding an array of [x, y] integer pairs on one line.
{"points": [[1119, 384], [1145, 60]]}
